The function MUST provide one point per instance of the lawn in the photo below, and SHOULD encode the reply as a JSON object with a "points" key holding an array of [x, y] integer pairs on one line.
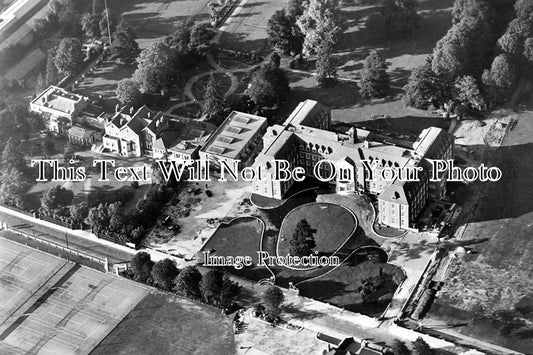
{"points": [[240, 237], [342, 287], [153, 21], [246, 29], [333, 224], [162, 324]]}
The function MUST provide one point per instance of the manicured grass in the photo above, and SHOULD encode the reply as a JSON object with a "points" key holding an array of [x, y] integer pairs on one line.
{"points": [[341, 287], [333, 225], [160, 324], [241, 237]]}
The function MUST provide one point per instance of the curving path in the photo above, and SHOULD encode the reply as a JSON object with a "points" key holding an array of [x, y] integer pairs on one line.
{"points": [[217, 68]]}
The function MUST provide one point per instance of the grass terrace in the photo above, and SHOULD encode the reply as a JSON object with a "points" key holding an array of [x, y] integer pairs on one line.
{"points": [[333, 224]]}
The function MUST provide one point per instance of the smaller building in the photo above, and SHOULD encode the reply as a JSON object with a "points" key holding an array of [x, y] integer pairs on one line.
{"points": [[82, 135], [239, 138], [59, 106]]}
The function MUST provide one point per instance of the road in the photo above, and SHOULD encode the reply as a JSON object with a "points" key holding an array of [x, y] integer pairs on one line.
{"points": [[74, 241]]}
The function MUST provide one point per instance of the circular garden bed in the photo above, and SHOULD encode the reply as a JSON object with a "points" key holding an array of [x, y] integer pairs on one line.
{"points": [[223, 83]]}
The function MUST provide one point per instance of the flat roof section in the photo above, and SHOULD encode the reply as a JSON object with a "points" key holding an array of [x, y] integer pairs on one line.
{"points": [[234, 134]]}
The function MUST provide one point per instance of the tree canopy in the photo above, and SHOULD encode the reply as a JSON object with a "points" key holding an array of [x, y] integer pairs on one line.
{"points": [[69, 56], [164, 272], [141, 265], [374, 80], [303, 240], [211, 286], [124, 46], [156, 67], [269, 86], [272, 298], [128, 92], [213, 104], [320, 22], [188, 282]]}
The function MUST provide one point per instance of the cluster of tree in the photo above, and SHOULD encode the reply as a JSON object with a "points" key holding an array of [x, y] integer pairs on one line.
{"points": [[14, 176], [109, 221], [269, 84], [396, 19], [457, 75], [214, 105], [420, 347], [311, 28], [124, 46], [63, 14], [54, 202], [16, 121], [283, 32], [95, 24], [374, 82], [215, 287], [159, 64], [64, 59]]}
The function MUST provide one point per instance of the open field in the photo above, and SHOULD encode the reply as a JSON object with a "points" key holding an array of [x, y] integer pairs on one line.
{"points": [[162, 324], [153, 21], [490, 289], [70, 314], [246, 29]]}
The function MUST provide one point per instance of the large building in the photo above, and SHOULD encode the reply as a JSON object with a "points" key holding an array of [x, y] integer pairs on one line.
{"points": [[146, 132], [358, 163], [237, 139]]}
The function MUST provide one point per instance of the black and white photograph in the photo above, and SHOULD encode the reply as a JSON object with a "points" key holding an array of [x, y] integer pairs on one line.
{"points": [[266, 177]]}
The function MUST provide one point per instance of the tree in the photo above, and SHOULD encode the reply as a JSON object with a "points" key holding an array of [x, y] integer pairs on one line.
{"points": [[467, 93], [211, 286], [230, 291], [98, 6], [213, 99], [303, 240], [524, 10], [12, 157], [69, 151], [269, 86], [426, 88], [55, 198], [128, 92], [124, 46], [98, 219], [188, 282], [325, 65], [374, 78], [421, 347], [141, 265], [90, 25], [295, 8], [283, 33], [79, 212], [399, 348], [52, 75], [272, 298], [472, 8], [156, 67], [501, 78], [200, 37], [400, 18], [69, 56], [320, 22], [13, 185], [164, 272], [511, 43]]}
